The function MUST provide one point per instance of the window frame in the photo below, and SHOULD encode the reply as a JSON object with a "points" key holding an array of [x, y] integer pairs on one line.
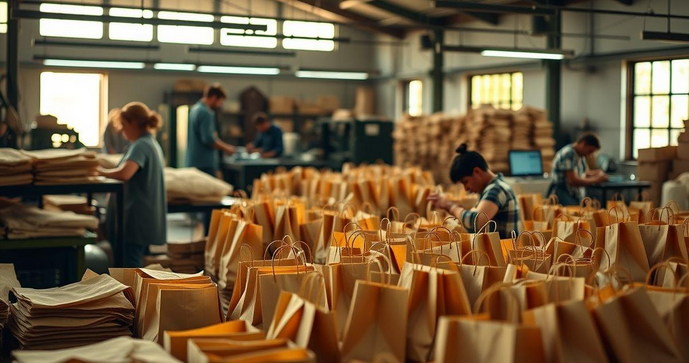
{"points": [[511, 72], [316, 39], [630, 94]]}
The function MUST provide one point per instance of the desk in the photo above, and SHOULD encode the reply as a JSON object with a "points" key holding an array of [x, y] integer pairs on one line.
{"points": [[241, 173], [639, 186], [107, 186], [202, 207]]}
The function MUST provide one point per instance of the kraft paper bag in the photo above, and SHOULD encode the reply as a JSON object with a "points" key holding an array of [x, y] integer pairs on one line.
{"points": [[246, 235], [260, 351], [175, 342], [673, 307], [662, 241], [560, 288], [625, 247], [238, 291], [568, 331], [633, 330], [376, 323], [566, 229], [488, 241], [209, 254], [272, 286], [401, 196], [433, 293], [221, 236], [264, 216]]}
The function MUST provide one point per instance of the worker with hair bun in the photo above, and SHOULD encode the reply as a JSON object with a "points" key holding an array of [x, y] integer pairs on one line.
{"points": [[497, 200], [141, 170]]}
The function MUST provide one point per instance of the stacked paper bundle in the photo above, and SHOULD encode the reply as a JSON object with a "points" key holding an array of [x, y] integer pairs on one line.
{"points": [[71, 203], [192, 185], [92, 310], [22, 221], [8, 281], [122, 349], [181, 257], [62, 166], [488, 132], [522, 129], [15, 167], [542, 136]]}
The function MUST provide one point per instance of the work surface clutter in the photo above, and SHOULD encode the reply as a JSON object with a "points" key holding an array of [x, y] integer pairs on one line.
{"points": [[306, 271]]}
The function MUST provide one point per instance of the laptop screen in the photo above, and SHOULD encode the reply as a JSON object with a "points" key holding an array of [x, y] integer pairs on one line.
{"points": [[526, 163]]}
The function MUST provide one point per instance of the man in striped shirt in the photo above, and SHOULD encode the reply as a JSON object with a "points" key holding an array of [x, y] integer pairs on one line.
{"points": [[497, 200]]}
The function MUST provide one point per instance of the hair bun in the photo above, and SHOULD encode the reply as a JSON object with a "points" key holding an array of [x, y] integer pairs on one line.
{"points": [[461, 149]]}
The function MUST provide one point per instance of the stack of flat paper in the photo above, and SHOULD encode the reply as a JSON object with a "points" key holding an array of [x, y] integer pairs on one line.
{"points": [[22, 221], [15, 167], [63, 166], [175, 342], [73, 203], [173, 301], [230, 351], [8, 281], [522, 128], [120, 350], [109, 161], [193, 185], [488, 132], [92, 310], [181, 257]]}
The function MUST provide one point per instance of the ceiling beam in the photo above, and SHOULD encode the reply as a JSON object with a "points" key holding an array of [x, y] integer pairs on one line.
{"points": [[424, 19], [358, 20], [626, 2]]}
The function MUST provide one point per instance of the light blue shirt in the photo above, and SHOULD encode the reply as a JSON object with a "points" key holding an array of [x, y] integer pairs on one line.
{"points": [[200, 138]]}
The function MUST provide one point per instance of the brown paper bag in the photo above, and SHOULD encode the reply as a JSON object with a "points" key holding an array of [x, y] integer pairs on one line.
{"points": [[625, 249]]}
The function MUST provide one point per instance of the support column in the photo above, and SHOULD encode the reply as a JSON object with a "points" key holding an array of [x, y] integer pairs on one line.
{"points": [[12, 55], [553, 79], [437, 71]]}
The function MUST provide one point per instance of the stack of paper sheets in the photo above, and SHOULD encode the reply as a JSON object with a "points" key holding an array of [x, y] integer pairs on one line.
{"points": [[173, 301], [121, 350], [15, 167], [90, 311], [181, 257], [192, 185], [72, 203], [22, 221], [63, 166], [488, 132], [8, 281]]}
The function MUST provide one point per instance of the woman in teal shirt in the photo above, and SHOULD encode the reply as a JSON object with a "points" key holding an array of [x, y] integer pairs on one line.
{"points": [[141, 170]]}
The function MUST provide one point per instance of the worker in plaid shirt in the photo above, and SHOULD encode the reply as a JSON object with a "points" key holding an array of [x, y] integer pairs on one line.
{"points": [[497, 199]]}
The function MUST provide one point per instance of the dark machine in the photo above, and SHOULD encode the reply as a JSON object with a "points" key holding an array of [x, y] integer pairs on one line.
{"points": [[356, 141]]}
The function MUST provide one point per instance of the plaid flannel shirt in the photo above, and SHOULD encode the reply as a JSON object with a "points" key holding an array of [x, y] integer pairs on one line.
{"points": [[507, 218], [565, 160]]}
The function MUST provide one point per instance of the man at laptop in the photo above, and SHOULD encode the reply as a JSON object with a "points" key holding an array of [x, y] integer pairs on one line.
{"points": [[571, 174]]}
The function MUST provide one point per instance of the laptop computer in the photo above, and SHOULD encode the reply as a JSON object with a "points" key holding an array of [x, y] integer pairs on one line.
{"points": [[526, 164]]}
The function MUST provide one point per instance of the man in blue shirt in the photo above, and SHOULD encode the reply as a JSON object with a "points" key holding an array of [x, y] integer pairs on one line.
{"points": [[269, 141], [202, 136], [570, 173]]}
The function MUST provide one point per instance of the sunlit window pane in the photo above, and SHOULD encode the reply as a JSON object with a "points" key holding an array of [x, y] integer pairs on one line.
{"points": [[680, 76], [517, 86], [227, 36], [659, 138], [3, 16], [680, 111], [661, 108], [642, 111], [661, 77], [71, 28], [311, 30], [642, 140], [415, 100], [186, 34], [131, 32], [504, 90], [75, 99], [642, 78], [475, 91], [674, 134]]}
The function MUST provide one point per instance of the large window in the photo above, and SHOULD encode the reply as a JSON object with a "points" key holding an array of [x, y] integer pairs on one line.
{"points": [[131, 32], [228, 36], [503, 90], [71, 28], [659, 103], [186, 34], [76, 99], [319, 31]]}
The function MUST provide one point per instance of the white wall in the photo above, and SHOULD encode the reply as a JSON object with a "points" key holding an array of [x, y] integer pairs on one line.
{"points": [[592, 89]]}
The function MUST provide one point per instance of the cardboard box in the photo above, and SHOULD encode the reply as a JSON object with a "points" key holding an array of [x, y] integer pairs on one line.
{"points": [[657, 154], [365, 101], [683, 151], [309, 108], [653, 171], [281, 104], [328, 103], [681, 166], [683, 136]]}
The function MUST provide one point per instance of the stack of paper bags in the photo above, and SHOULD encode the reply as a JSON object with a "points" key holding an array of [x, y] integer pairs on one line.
{"points": [[92, 310], [192, 185], [8, 281], [72, 203], [15, 167], [63, 166], [172, 301], [120, 350], [233, 351], [176, 342], [186, 257], [21, 221], [521, 132]]}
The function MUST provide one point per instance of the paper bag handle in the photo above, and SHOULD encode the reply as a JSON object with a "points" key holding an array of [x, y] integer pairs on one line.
{"points": [[513, 312], [380, 268], [265, 254], [577, 237], [310, 282], [367, 207], [240, 194], [244, 247], [395, 212]]}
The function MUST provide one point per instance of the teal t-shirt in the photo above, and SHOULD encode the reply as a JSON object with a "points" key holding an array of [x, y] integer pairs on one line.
{"points": [[200, 138], [145, 200]]}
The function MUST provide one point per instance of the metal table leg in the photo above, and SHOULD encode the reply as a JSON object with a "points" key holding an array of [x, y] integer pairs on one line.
{"points": [[119, 245]]}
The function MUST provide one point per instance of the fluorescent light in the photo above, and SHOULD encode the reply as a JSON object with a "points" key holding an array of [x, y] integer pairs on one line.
{"points": [[174, 67], [263, 71], [333, 75], [93, 64], [520, 54]]}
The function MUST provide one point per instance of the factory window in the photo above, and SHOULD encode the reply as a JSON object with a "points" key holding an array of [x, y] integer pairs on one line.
{"points": [[186, 34], [228, 36], [658, 104], [413, 97], [311, 30], [3, 16], [76, 99], [131, 32], [71, 28], [503, 90]]}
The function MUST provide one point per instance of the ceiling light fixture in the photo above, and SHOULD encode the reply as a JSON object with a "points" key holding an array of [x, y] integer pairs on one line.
{"points": [[93, 63], [260, 71], [524, 53], [354, 76], [521, 54], [174, 67]]}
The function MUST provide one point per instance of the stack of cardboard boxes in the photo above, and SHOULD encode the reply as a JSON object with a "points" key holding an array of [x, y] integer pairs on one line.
{"points": [[654, 166], [681, 163]]}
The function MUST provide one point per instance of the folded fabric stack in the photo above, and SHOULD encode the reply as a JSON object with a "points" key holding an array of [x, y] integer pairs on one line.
{"points": [[192, 185], [181, 257], [15, 167], [90, 311], [121, 350], [21, 221], [63, 166]]}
